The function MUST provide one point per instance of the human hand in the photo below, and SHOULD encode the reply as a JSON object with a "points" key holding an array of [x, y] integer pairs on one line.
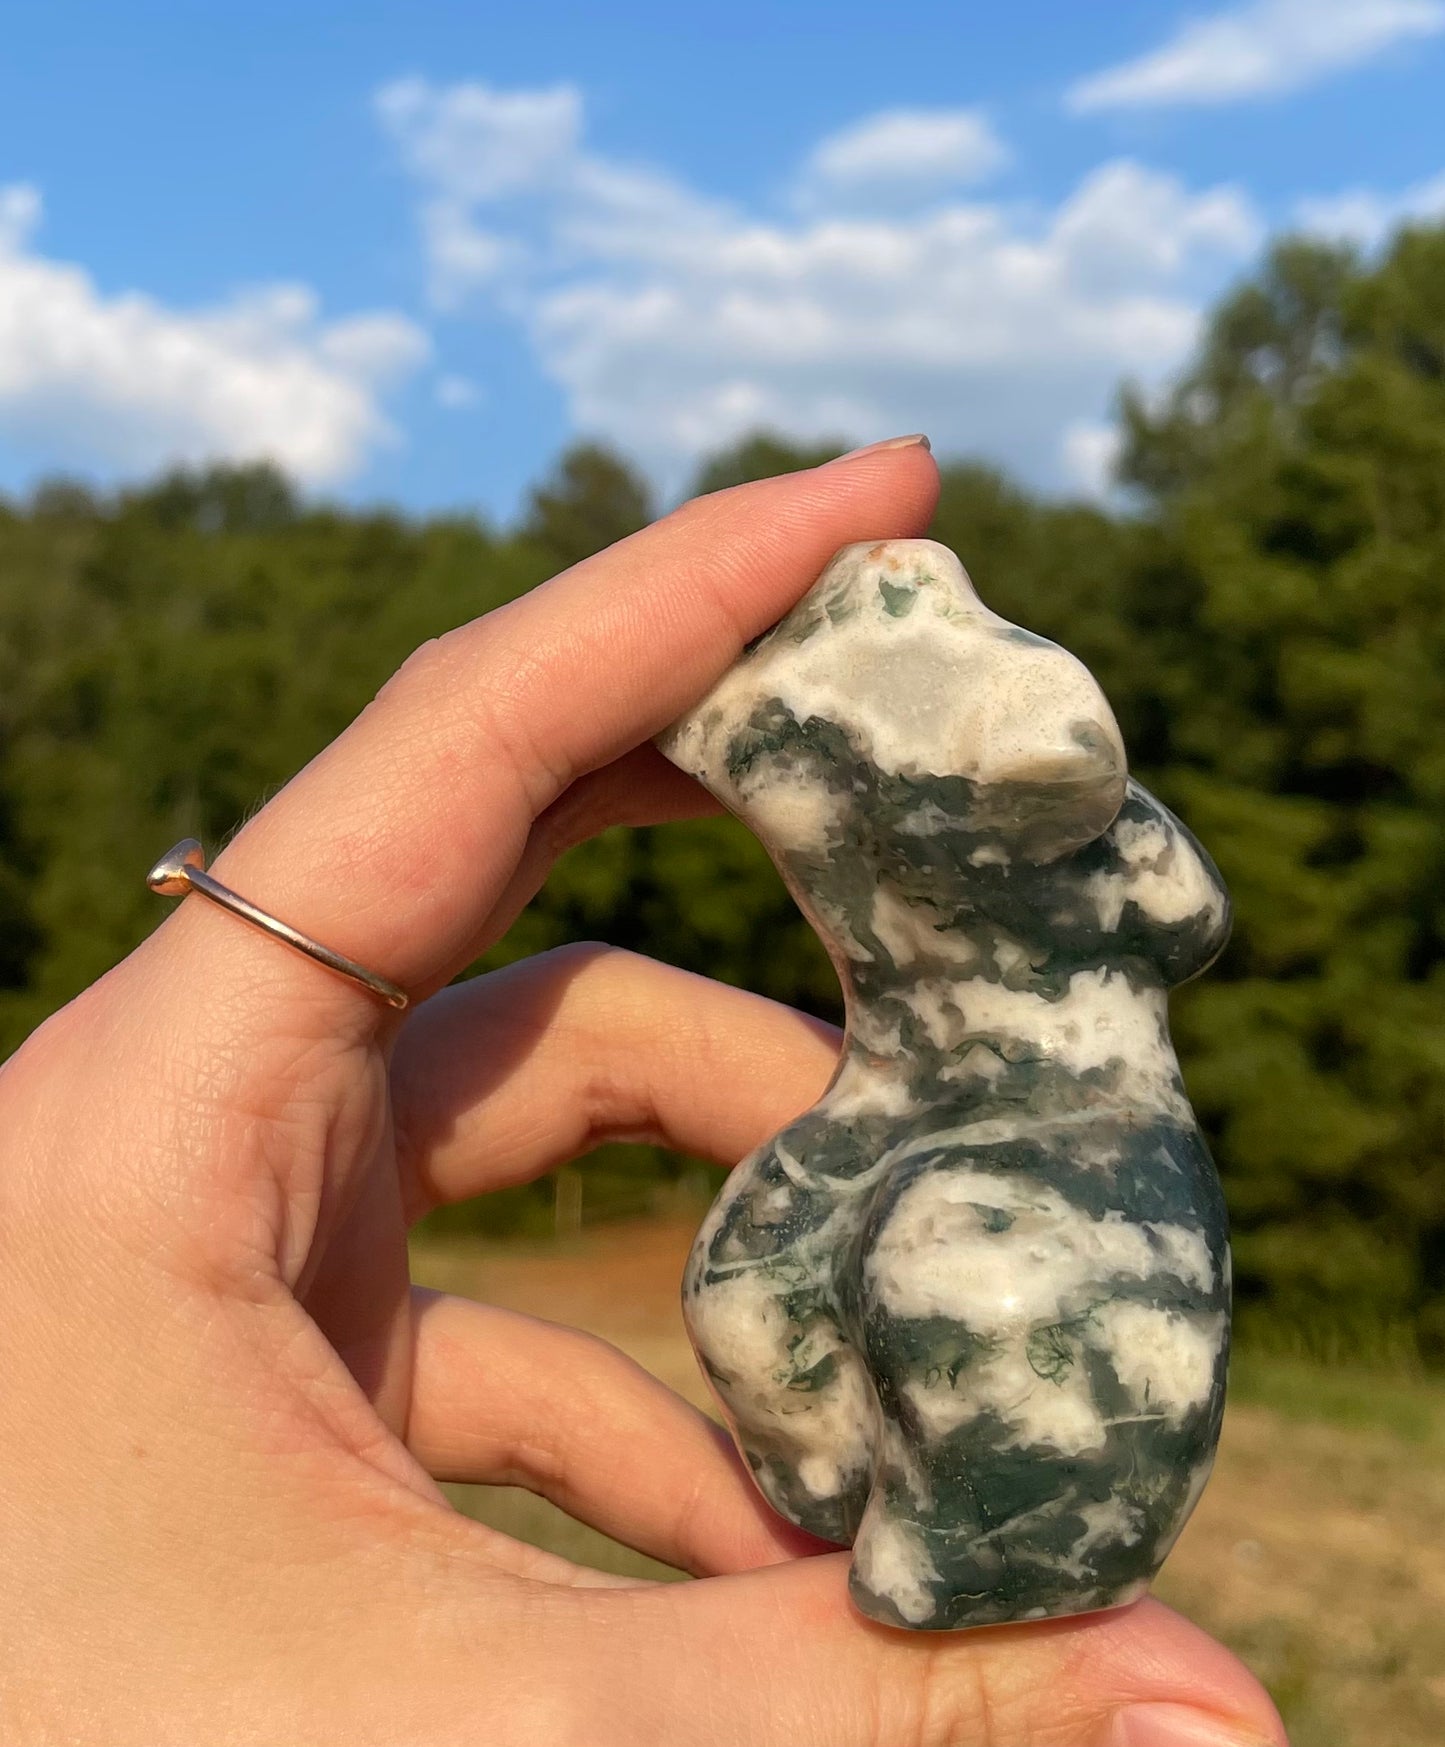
{"points": [[222, 1407]]}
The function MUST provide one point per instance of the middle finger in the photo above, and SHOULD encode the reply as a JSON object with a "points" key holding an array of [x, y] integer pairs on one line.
{"points": [[497, 1080]]}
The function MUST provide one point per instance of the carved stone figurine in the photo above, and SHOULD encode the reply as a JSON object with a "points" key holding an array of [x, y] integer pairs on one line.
{"points": [[970, 1312]]}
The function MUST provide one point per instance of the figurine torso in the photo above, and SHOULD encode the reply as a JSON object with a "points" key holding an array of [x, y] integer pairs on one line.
{"points": [[968, 1313]]}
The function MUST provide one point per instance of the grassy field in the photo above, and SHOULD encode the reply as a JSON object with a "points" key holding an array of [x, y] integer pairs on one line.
{"points": [[1318, 1551]]}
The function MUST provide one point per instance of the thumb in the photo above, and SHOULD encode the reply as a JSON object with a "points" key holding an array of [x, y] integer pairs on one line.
{"points": [[779, 1658]]}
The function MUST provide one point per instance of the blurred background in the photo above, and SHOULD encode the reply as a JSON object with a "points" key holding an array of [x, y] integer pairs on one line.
{"points": [[323, 332]]}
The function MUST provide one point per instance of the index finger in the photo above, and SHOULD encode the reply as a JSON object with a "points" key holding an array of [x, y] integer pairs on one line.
{"points": [[392, 845]]}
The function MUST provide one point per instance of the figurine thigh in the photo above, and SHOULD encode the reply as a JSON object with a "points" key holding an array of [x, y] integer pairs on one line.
{"points": [[1049, 1374], [759, 1305]]}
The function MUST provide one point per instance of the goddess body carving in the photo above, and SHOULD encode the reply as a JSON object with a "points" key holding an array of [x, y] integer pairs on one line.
{"points": [[969, 1313]]}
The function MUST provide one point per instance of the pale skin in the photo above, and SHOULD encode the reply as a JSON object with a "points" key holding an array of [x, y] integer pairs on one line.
{"points": [[223, 1408]]}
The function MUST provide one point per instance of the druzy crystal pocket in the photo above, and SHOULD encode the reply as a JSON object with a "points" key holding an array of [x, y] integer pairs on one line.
{"points": [[970, 1313]]}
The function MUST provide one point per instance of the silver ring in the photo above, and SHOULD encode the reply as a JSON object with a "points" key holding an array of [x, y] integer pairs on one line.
{"points": [[183, 869]]}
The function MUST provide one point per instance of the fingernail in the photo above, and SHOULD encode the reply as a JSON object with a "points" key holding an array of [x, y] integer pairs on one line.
{"points": [[916, 441], [1176, 1726]]}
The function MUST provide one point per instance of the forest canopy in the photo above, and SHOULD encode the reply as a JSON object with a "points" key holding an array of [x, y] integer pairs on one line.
{"points": [[1265, 606]]}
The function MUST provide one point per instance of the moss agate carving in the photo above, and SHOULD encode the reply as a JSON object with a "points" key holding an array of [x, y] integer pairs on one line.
{"points": [[969, 1314]]}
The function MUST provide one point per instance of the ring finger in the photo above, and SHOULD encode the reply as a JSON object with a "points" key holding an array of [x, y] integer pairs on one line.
{"points": [[509, 1400]]}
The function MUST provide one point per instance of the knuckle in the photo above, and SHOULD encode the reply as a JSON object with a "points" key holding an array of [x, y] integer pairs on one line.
{"points": [[587, 984], [430, 665], [694, 1520], [471, 699], [961, 1698], [509, 722], [570, 960], [947, 1702]]}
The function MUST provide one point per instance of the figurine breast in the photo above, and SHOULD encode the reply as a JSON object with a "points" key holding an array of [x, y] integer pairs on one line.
{"points": [[969, 1314]]}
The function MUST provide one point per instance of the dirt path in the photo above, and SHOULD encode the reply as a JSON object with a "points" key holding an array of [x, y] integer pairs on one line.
{"points": [[1318, 1551]]}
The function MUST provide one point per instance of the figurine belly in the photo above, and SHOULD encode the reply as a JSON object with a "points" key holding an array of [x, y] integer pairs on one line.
{"points": [[970, 1313]]}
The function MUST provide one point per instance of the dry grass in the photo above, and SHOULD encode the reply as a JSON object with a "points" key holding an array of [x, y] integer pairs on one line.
{"points": [[1318, 1551]]}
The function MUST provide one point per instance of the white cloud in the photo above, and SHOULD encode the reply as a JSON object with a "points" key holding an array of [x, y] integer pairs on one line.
{"points": [[457, 393], [1091, 452], [491, 143], [1255, 50], [905, 151], [518, 156], [19, 213], [125, 383], [1366, 216], [673, 323]]}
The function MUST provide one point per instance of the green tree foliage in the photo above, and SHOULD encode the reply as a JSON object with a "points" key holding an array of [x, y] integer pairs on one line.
{"points": [[169, 658], [764, 455], [592, 500], [1295, 492], [1268, 618]]}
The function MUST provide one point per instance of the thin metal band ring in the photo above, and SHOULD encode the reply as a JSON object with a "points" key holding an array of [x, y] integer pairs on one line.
{"points": [[183, 869]]}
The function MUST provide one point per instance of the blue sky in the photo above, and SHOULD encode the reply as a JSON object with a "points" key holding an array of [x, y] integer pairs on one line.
{"points": [[409, 250]]}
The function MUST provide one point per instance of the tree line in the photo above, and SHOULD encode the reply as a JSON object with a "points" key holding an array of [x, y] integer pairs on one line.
{"points": [[1264, 604]]}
